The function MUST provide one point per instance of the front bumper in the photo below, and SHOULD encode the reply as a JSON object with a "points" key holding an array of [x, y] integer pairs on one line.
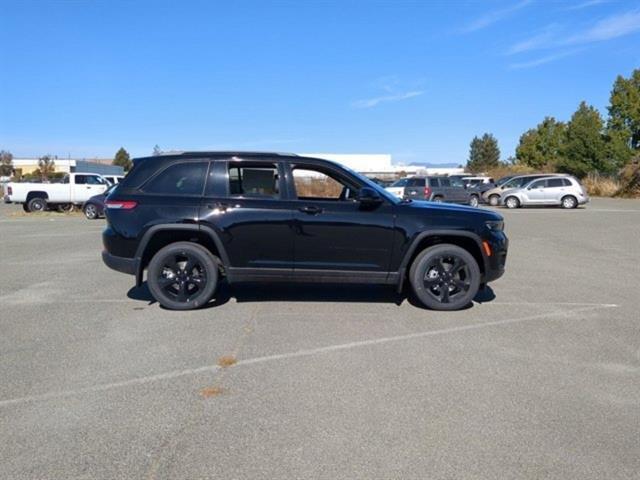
{"points": [[495, 263], [120, 264]]}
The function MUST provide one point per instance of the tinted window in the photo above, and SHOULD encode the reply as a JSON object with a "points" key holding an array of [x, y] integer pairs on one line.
{"points": [[566, 182], [253, 180], [538, 184], [179, 179], [433, 182], [415, 182], [444, 182], [555, 182], [456, 182], [400, 183], [81, 179]]}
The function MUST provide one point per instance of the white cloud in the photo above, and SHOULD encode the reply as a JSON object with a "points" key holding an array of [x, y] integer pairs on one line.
{"points": [[609, 28], [614, 26], [372, 102], [495, 16], [587, 4], [543, 60]]}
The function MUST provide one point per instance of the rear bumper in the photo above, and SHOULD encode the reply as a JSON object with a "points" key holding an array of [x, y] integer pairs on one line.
{"points": [[120, 264]]}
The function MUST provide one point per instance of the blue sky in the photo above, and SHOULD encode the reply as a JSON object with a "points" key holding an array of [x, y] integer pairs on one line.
{"points": [[414, 79]]}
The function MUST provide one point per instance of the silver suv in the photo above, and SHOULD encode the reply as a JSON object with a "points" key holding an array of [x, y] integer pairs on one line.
{"points": [[564, 191]]}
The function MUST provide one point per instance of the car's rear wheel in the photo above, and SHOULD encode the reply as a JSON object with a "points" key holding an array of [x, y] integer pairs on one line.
{"points": [[512, 202], [90, 211], [474, 201], [569, 201], [494, 200], [438, 199], [37, 204], [25, 207], [182, 276], [445, 277], [65, 207]]}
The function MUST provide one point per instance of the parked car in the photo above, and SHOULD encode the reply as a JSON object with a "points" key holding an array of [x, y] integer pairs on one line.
{"points": [[94, 207], [189, 219], [73, 190], [565, 191], [113, 179], [493, 195], [434, 188]]}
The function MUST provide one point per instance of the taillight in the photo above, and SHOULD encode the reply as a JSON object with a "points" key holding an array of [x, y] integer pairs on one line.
{"points": [[9, 191], [427, 192], [121, 204]]}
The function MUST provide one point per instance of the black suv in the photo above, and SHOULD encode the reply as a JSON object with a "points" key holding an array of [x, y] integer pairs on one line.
{"points": [[192, 218]]}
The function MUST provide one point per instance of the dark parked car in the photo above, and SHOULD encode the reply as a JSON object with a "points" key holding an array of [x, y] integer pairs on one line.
{"points": [[193, 218], [435, 188], [94, 207]]}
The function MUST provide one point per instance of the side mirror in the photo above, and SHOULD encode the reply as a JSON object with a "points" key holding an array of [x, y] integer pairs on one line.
{"points": [[368, 197]]}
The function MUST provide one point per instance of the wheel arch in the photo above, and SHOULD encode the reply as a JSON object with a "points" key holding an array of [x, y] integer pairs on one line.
{"points": [[468, 240], [36, 194], [159, 236]]}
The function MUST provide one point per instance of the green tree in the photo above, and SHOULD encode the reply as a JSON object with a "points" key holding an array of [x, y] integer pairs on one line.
{"points": [[46, 166], [542, 146], [6, 163], [483, 153], [624, 109], [585, 149], [122, 159]]}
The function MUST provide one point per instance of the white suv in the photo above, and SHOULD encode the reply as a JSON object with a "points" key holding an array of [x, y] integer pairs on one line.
{"points": [[565, 191]]}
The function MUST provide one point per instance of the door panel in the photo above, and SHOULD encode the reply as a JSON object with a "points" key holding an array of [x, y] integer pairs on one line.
{"points": [[243, 204], [335, 233], [536, 192]]}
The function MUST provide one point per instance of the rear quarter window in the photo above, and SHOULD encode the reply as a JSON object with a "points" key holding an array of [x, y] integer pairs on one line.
{"points": [[178, 179]]}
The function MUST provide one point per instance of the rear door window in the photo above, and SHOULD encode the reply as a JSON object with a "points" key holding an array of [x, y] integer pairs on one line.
{"points": [[415, 182], [433, 182], [179, 179], [254, 180], [555, 182], [444, 182]]}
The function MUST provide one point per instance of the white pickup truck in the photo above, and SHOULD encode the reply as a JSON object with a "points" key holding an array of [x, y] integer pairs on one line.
{"points": [[73, 189]]}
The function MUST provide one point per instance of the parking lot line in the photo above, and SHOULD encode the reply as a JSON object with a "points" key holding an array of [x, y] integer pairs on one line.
{"points": [[291, 355]]}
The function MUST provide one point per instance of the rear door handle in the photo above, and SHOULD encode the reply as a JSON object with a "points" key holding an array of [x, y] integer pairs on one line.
{"points": [[311, 210]]}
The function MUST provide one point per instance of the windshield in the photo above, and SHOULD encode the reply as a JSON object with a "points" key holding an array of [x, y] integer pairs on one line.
{"points": [[503, 180]]}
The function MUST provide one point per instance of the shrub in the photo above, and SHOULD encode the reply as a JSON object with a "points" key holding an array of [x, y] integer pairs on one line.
{"points": [[600, 186], [630, 179]]}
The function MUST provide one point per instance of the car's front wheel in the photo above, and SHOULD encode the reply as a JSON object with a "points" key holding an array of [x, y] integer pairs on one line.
{"points": [[445, 277], [494, 200], [182, 276], [512, 202], [474, 201]]}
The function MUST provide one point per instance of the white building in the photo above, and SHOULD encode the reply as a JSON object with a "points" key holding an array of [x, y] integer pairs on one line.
{"points": [[380, 165]]}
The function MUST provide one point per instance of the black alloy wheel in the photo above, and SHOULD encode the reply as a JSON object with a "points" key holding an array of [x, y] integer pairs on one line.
{"points": [[183, 276], [445, 277]]}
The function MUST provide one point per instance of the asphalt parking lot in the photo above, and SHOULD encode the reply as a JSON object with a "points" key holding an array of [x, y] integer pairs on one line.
{"points": [[540, 379]]}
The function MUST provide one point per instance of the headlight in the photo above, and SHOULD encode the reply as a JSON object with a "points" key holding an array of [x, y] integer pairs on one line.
{"points": [[495, 225]]}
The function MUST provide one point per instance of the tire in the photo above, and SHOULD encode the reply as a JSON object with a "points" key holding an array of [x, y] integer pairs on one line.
{"points": [[494, 200], [568, 202], [438, 199], [445, 277], [65, 207], [90, 211], [474, 201], [512, 202], [37, 204], [25, 207], [173, 284]]}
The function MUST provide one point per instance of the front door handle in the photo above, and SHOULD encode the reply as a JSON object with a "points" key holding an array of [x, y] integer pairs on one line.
{"points": [[311, 210]]}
